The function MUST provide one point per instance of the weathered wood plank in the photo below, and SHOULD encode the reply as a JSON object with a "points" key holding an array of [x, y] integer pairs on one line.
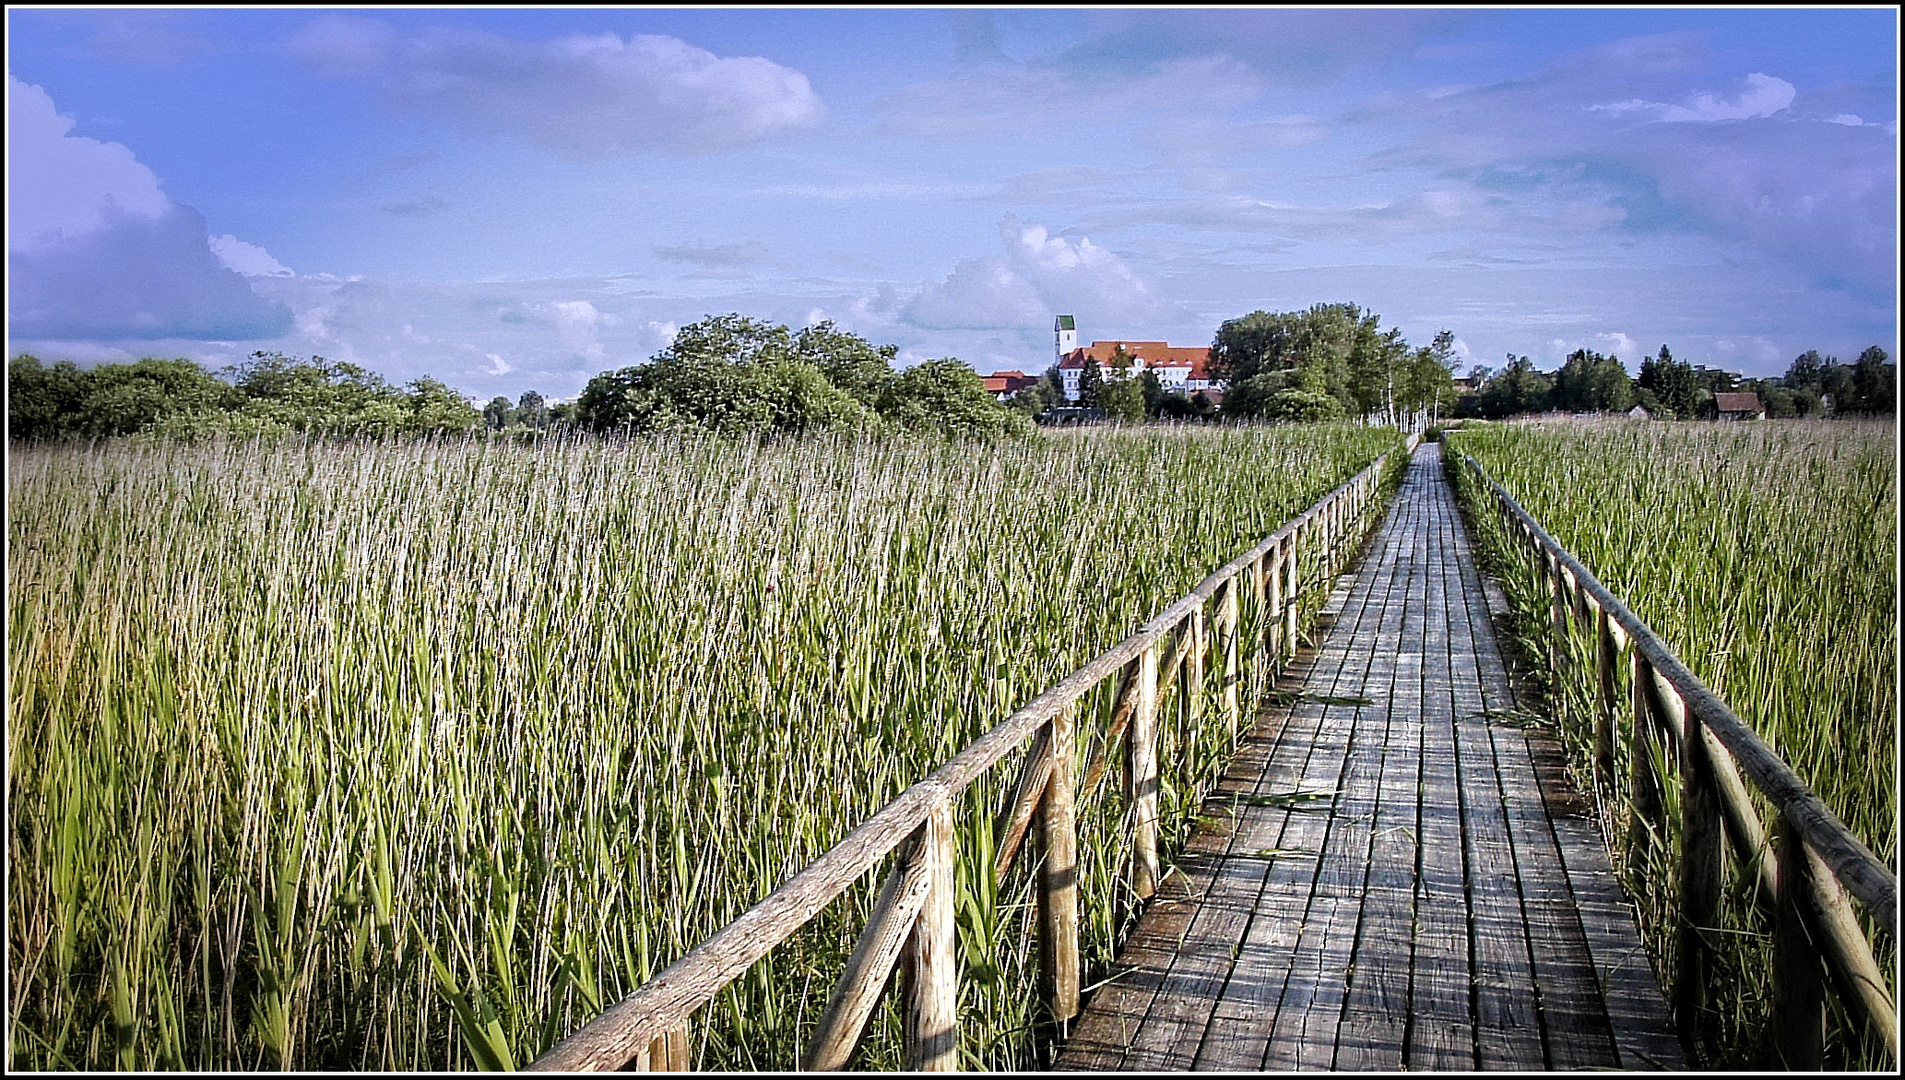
{"points": [[1438, 925]]}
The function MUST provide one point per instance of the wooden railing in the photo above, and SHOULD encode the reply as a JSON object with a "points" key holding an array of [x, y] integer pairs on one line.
{"points": [[912, 920], [1678, 723]]}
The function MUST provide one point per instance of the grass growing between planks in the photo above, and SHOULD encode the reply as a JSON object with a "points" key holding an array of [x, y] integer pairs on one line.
{"points": [[1765, 556], [418, 755]]}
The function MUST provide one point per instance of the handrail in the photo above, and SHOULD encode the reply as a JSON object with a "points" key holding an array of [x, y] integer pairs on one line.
{"points": [[1712, 739], [646, 1028]]}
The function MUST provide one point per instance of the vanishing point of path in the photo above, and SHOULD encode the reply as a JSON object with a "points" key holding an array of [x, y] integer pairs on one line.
{"points": [[1399, 875]]}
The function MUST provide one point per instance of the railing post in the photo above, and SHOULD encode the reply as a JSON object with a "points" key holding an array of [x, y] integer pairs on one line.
{"points": [[1799, 1000], [1141, 777], [1058, 879], [1290, 594], [1648, 820], [888, 933], [1273, 607], [1607, 654], [1191, 692], [1227, 619], [1702, 864], [932, 993], [1558, 647]]}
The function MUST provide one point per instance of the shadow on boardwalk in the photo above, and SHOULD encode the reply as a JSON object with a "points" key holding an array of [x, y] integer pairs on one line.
{"points": [[1400, 875]]}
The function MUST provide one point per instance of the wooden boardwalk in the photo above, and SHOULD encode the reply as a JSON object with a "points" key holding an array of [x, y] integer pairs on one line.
{"points": [[1399, 876]]}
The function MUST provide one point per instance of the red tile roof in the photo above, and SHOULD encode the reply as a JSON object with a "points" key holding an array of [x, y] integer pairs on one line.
{"points": [[1738, 403], [1147, 353]]}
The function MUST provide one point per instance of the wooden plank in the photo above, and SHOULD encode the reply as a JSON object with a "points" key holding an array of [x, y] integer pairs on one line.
{"points": [[1239, 1030], [1310, 1011], [1372, 1033], [1442, 1032], [1507, 1023], [1182, 1016]]}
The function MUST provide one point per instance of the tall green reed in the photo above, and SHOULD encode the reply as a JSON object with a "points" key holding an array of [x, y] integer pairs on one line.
{"points": [[417, 755], [1765, 556]]}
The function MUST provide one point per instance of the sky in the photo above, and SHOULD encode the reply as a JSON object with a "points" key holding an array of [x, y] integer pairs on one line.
{"points": [[512, 200]]}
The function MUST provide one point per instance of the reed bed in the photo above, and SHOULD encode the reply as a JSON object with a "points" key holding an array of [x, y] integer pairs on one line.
{"points": [[416, 755], [1765, 556]]}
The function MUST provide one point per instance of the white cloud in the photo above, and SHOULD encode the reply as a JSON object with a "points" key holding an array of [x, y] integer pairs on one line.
{"points": [[248, 259], [497, 365], [98, 251], [62, 185], [582, 95], [1039, 275], [577, 324], [1764, 95]]}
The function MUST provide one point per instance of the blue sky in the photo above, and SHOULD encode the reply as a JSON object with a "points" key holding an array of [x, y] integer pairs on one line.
{"points": [[517, 199]]}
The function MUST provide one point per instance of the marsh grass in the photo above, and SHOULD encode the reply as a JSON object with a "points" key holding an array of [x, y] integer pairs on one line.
{"points": [[417, 755], [1765, 556]]}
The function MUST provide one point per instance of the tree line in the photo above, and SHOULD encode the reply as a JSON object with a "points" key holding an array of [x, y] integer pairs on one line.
{"points": [[728, 374], [1669, 388], [267, 394]]}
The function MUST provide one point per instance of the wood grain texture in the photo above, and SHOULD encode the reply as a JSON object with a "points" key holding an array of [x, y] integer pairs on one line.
{"points": [[1366, 899]]}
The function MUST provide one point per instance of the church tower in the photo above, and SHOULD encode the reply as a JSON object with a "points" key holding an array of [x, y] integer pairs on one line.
{"points": [[1066, 331]]}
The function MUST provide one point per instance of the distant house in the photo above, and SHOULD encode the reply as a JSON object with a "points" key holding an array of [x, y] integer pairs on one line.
{"points": [[1739, 406], [1003, 384], [1638, 413]]}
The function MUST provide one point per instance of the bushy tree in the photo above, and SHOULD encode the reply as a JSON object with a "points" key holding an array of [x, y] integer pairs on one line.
{"points": [[849, 361], [1874, 383], [1340, 349], [947, 396], [1303, 405], [1673, 385], [1590, 382], [532, 411], [1122, 400], [498, 413], [42, 402], [1518, 389]]}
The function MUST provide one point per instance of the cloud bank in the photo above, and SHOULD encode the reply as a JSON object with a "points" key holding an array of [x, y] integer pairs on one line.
{"points": [[98, 251]]}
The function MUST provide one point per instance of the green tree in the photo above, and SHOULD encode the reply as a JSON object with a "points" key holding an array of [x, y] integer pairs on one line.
{"points": [[1339, 349], [849, 361], [432, 408], [1875, 382], [498, 413], [43, 402], [1122, 400], [1518, 389], [532, 410], [1091, 382], [1673, 384], [947, 396], [1590, 382], [1303, 406]]}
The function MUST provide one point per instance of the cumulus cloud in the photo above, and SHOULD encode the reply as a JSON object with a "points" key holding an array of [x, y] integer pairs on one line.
{"points": [[98, 251], [1040, 274], [580, 95], [248, 259], [982, 293], [62, 185]]}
